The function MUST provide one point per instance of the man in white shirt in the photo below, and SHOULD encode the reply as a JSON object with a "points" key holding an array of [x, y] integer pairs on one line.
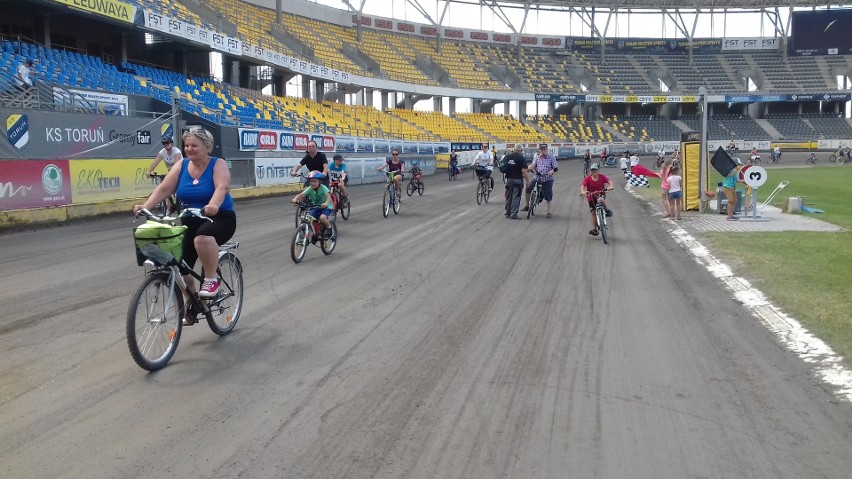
{"points": [[483, 164], [634, 160], [22, 78]]}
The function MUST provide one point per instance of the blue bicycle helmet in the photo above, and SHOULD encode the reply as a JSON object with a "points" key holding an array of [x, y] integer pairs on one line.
{"points": [[315, 175]]}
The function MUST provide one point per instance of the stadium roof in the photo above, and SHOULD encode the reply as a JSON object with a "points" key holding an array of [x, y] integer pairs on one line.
{"points": [[567, 5]]}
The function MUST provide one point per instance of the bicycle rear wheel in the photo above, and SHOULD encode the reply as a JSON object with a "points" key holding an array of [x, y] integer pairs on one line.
{"points": [[831, 159], [386, 202], [420, 188], [224, 314], [327, 245], [154, 322], [299, 212], [409, 189], [299, 245], [602, 224]]}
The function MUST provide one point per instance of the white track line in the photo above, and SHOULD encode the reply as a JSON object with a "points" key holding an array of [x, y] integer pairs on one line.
{"points": [[826, 364]]}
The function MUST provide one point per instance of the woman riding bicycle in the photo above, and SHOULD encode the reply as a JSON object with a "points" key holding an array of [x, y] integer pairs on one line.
{"points": [[397, 170], [484, 164], [203, 182], [169, 155]]}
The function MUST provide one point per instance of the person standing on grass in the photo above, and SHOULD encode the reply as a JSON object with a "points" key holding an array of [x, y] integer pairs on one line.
{"points": [[729, 186], [664, 172], [675, 193]]}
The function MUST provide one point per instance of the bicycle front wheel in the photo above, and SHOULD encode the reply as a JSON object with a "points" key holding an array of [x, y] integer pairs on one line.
{"points": [[299, 245], [395, 197], [224, 314], [486, 193], [154, 322], [479, 193], [344, 209], [533, 203], [386, 203], [602, 224]]}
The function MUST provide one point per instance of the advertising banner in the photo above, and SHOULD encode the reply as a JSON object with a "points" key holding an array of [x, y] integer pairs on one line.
{"points": [[345, 144], [741, 44], [644, 46], [274, 171], [253, 139], [425, 148], [109, 179], [123, 12], [409, 147], [34, 184], [105, 103], [41, 134], [364, 145]]}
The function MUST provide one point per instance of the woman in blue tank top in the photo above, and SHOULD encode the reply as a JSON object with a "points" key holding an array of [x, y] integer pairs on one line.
{"points": [[204, 182]]}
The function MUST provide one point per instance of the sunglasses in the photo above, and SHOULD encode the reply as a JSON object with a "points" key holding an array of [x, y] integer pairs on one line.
{"points": [[394, 154]]}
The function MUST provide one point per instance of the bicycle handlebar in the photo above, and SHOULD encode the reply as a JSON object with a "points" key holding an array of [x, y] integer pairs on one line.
{"points": [[595, 193], [186, 212]]}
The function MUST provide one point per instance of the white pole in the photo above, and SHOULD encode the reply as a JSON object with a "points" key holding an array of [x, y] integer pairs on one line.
{"points": [[703, 174]]}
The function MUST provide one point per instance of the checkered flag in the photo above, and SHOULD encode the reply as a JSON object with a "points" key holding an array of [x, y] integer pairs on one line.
{"points": [[637, 180]]}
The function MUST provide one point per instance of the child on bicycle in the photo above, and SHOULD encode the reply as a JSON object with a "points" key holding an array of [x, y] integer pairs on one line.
{"points": [[337, 174], [416, 172], [595, 183], [319, 200]]}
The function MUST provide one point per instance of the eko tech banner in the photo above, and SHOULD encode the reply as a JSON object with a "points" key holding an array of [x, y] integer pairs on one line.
{"points": [[110, 179]]}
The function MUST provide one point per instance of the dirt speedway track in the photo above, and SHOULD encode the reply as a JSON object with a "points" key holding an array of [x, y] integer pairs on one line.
{"points": [[444, 342]]}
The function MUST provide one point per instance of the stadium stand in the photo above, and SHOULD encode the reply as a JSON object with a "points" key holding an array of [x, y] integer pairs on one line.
{"points": [[645, 127], [829, 125], [328, 47], [573, 129], [253, 22], [791, 126], [503, 127], [440, 125], [728, 126]]}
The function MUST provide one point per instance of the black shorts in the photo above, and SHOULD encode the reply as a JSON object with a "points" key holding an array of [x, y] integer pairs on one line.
{"points": [[546, 189], [221, 229], [592, 203]]}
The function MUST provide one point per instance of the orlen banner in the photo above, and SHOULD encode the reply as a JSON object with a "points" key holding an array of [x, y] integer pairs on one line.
{"points": [[34, 184], [252, 139], [105, 180]]}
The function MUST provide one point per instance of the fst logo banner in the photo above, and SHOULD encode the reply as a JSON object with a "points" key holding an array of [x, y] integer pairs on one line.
{"points": [[18, 130]]}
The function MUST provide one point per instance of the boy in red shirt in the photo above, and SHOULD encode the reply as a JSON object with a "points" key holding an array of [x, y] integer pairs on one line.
{"points": [[594, 183]]}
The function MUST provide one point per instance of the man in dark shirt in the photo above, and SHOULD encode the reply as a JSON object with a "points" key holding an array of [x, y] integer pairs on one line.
{"points": [[517, 176], [314, 161]]}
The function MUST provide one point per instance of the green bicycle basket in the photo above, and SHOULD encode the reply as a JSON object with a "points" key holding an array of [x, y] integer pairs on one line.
{"points": [[161, 243]]}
